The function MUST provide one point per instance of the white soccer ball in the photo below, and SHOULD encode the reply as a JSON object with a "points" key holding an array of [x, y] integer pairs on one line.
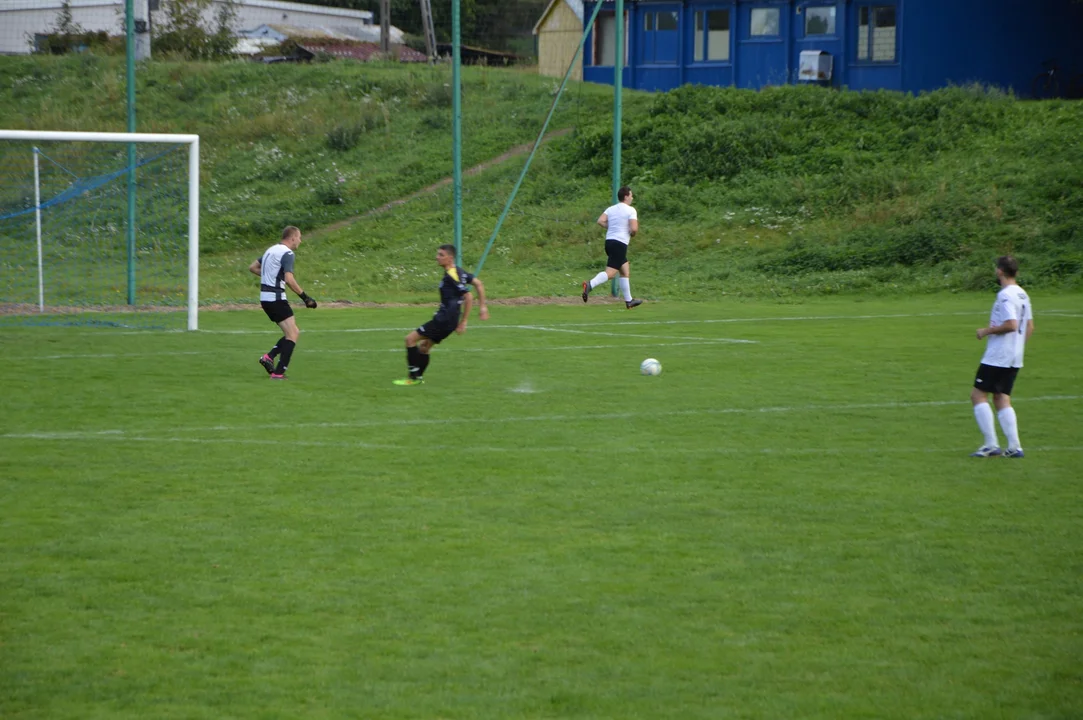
{"points": [[650, 366]]}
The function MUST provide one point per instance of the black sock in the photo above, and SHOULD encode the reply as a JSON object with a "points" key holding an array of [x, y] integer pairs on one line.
{"points": [[423, 362], [413, 362], [277, 348], [285, 347]]}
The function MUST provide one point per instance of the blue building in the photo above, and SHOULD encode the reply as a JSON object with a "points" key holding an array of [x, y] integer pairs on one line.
{"points": [[908, 45]]}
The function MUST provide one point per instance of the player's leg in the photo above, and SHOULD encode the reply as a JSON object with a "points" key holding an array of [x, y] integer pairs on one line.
{"points": [[413, 355], [424, 347], [290, 335], [983, 414], [1009, 423], [600, 279], [626, 287], [615, 252]]}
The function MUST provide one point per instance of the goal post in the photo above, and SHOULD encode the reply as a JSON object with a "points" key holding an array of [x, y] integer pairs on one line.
{"points": [[72, 225]]}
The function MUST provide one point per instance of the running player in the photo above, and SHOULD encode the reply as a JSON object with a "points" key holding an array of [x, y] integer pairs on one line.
{"points": [[621, 223]]}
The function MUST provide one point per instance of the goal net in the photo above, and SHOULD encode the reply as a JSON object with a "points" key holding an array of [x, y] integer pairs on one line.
{"points": [[99, 229]]}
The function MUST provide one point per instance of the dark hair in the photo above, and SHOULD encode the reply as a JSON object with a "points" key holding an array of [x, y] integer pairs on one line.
{"points": [[289, 231], [1008, 265], [449, 249], [623, 193]]}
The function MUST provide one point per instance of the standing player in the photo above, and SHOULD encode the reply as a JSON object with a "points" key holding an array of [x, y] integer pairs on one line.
{"points": [[454, 293], [621, 223], [275, 270], [1011, 324]]}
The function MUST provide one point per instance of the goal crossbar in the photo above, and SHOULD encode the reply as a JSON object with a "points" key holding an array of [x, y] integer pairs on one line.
{"points": [[192, 141]]}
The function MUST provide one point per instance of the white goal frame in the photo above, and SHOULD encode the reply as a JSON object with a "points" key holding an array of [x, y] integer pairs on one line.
{"points": [[192, 141]]}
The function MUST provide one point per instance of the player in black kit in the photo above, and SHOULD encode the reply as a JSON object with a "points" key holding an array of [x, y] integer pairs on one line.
{"points": [[455, 304]]}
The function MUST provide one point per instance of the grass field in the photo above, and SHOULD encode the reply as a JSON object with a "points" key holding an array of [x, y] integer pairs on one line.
{"points": [[784, 524]]}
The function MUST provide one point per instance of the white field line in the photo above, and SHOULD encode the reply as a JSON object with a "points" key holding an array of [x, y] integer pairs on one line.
{"points": [[414, 422], [403, 328], [610, 323], [546, 328], [443, 351], [518, 449]]}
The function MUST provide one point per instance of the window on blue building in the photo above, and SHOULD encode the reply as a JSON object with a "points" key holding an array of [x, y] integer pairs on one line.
{"points": [[820, 21], [711, 41], [876, 33], [660, 40], [605, 40], [764, 22]]}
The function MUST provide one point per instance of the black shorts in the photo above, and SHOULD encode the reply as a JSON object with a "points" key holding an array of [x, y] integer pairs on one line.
{"points": [[616, 254], [277, 310], [993, 379], [438, 328]]}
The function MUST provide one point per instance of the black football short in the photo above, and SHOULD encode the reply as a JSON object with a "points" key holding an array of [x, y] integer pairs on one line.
{"points": [[616, 254], [277, 310], [993, 379], [438, 328]]}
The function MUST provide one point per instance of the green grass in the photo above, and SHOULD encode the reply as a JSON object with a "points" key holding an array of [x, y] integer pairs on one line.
{"points": [[783, 528], [793, 191]]}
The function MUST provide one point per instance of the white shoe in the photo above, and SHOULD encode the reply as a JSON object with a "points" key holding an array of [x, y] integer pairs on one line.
{"points": [[986, 451]]}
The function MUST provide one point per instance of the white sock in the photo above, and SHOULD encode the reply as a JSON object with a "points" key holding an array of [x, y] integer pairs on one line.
{"points": [[984, 415], [1010, 427], [598, 280], [626, 289]]}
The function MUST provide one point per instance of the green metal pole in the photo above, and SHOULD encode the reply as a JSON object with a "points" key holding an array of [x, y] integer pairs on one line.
{"points": [[457, 125], [537, 142], [618, 86], [129, 28]]}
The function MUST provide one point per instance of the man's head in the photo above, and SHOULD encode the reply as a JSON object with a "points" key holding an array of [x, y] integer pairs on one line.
{"points": [[625, 195], [445, 255], [291, 237], [1007, 268]]}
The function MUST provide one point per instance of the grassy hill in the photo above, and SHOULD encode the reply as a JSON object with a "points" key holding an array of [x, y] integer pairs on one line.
{"points": [[787, 191]]}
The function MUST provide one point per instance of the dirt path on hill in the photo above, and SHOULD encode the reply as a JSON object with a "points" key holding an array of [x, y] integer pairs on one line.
{"points": [[516, 151]]}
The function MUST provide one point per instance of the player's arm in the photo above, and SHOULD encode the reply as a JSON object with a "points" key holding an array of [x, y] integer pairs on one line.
{"points": [[483, 307], [468, 302], [1008, 326], [291, 282], [603, 220], [633, 226], [256, 267], [1030, 328]]}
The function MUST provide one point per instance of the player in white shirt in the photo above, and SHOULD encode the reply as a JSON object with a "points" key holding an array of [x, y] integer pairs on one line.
{"points": [[621, 223], [275, 270], [1011, 323]]}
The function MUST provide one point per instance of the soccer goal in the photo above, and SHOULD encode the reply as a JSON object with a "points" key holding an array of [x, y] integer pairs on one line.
{"points": [[99, 229]]}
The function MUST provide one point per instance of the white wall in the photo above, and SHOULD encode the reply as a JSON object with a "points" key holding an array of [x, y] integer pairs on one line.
{"points": [[20, 19]]}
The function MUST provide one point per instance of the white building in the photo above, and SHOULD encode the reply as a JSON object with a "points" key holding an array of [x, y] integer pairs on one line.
{"points": [[20, 20]]}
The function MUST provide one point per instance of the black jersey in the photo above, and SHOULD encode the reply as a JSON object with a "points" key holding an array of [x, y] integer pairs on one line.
{"points": [[455, 283]]}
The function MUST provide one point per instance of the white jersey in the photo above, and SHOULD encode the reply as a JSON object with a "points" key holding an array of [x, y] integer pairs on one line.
{"points": [[1006, 350], [275, 263], [620, 217]]}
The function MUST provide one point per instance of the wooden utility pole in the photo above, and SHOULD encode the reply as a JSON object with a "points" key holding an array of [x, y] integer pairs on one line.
{"points": [[430, 31], [385, 27]]}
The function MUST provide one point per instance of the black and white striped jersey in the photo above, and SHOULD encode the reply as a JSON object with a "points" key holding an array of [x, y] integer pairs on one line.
{"points": [[275, 263]]}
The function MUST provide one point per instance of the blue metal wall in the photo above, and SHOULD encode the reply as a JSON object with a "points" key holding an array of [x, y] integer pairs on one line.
{"points": [[937, 43]]}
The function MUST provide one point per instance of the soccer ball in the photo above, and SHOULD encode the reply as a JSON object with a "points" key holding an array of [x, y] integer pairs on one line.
{"points": [[650, 366]]}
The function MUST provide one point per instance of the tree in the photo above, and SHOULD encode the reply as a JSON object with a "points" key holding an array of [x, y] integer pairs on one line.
{"points": [[184, 33]]}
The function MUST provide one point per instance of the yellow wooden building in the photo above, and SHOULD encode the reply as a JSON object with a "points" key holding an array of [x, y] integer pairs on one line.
{"points": [[559, 31]]}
